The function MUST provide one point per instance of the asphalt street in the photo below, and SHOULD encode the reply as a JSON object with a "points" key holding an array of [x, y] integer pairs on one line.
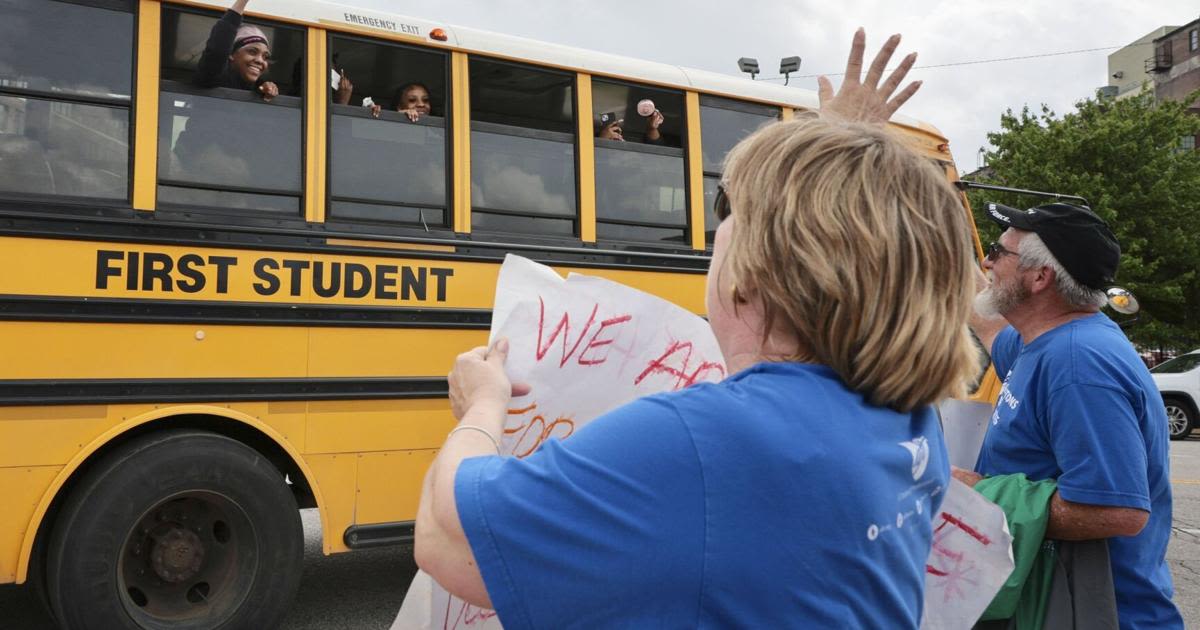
{"points": [[363, 590]]}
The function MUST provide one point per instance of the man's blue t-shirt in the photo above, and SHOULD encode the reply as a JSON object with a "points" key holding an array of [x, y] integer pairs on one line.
{"points": [[777, 498], [1078, 405]]}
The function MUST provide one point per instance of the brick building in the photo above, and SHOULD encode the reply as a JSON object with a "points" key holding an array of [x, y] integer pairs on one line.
{"points": [[1175, 65]]}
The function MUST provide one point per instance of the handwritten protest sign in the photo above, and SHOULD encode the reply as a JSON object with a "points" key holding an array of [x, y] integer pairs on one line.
{"points": [[970, 560], [586, 345]]}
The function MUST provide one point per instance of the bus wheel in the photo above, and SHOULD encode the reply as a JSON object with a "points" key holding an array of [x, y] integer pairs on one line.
{"points": [[177, 529]]}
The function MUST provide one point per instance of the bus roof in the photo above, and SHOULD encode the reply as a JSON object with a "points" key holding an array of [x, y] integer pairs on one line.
{"points": [[405, 28]]}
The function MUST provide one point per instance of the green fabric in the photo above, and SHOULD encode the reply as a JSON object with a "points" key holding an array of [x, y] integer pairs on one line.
{"points": [[1031, 609], [1026, 506]]}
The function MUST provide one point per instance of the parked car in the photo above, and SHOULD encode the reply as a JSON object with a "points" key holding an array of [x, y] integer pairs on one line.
{"points": [[1178, 381]]}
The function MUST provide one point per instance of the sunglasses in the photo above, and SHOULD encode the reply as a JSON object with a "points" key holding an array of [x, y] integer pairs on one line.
{"points": [[996, 250], [721, 204]]}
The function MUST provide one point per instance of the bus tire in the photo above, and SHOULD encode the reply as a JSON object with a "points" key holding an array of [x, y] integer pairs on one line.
{"points": [[179, 528]]}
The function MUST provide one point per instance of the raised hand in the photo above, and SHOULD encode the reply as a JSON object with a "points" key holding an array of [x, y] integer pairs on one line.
{"points": [[269, 90], [652, 124], [345, 89], [478, 378], [866, 100]]}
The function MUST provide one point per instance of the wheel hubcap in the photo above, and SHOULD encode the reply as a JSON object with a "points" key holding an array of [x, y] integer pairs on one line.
{"points": [[178, 554], [192, 556], [1177, 419]]}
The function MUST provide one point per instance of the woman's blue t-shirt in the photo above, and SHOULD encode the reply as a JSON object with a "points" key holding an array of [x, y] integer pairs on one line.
{"points": [[776, 498]]}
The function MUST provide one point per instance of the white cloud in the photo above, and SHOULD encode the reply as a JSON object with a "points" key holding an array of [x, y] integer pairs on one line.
{"points": [[965, 102]]}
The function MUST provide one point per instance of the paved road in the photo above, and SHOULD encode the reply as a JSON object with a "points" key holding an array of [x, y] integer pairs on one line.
{"points": [[363, 590], [1184, 551]]}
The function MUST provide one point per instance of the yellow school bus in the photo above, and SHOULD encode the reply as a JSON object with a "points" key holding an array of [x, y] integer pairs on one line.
{"points": [[216, 310]]}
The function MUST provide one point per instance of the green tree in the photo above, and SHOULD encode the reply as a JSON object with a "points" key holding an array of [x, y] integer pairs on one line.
{"points": [[1126, 158]]}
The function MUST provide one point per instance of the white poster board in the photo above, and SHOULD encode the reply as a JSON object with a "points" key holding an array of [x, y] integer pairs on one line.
{"points": [[964, 423], [969, 562], [586, 345]]}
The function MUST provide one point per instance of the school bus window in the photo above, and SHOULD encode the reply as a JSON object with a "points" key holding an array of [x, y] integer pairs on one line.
{"points": [[724, 123], [385, 164], [640, 184], [64, 124], [522, 149], [225, 147], [185, 33]]}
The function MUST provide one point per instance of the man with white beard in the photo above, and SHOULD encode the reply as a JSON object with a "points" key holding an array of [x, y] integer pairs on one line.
{"points": [[1078, 404]]}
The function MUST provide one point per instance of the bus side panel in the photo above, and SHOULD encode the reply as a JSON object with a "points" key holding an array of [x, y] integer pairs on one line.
{"points": [[22, 489], [336, 475], [350, 352], [389, 485], [24, 432], [394, 442], [68, 350], [357, 426]]}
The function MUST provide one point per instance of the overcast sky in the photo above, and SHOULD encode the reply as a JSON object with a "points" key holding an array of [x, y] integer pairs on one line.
{"points": [[965, 102]]}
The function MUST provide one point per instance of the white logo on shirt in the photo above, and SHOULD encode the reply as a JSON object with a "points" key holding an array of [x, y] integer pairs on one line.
{"points": [[919, 449], [1006, 398]]}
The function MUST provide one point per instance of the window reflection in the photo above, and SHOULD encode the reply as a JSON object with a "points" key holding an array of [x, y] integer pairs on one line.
{"points": [[213, 198], [215, 142], [389, 162], [425, 217], [723, 124], [723, 128], [522, 149], [519, 174], [642, 187], [543, 226], [63, 47], [56, 148], [622, 232]]}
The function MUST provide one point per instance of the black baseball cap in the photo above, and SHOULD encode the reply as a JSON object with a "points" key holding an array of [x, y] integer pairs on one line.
{"points": [[1079, 240]]}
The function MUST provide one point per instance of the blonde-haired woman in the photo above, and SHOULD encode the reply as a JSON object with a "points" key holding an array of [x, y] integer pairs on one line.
{"points": [[799, 492]]}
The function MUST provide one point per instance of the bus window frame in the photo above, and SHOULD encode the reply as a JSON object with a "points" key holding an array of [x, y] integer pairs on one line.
{"points": [[202, 214], [680, 151], [127, 6], [533, 134], [253, 20], [733, 105], [399, 228], [83, 204], [532, 239], [651, 149], [245, 96]]}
